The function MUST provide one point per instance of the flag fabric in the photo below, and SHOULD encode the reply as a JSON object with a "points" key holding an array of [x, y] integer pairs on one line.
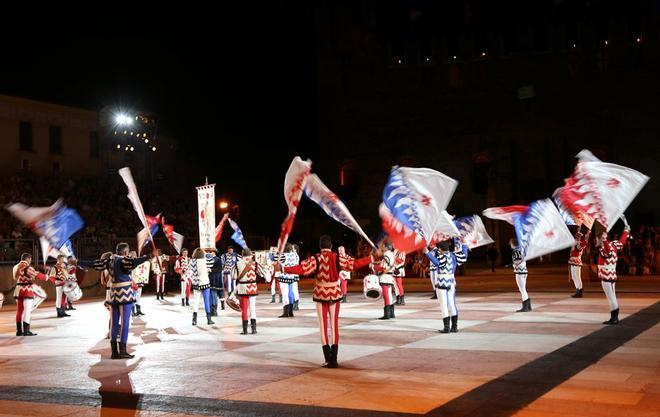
{"points": [[49, 251], [56, 223], [237, 236], [565, 214], [145, 235], [220, 226], [175, 239], [506, 213], [133, 196], [472, 231], [413, 201], [541, 230], [445, 229], [599, 190], [294, 185], [317, 191]]}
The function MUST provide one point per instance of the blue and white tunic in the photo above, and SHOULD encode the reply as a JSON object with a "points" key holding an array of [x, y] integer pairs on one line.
{"points": [[287, 259], [518, 261], [445, 266], [121, 285], [228, 262]]}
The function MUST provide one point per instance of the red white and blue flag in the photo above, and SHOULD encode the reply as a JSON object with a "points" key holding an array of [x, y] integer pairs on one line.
{"points": [[506, 213], [541, 230], [413, 202], [145, 235], [472, 231], [317, 191], [599, 190], [56, 223], [237, 236], [220, 226], [294, 185], [175, 239]]}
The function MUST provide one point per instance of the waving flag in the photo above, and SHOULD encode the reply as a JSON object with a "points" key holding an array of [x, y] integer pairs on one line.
{"points": [[473, 232], [294, 184], [133, 196], [175, 239], [317, 191], [145, 235], [56, 223], [413, 201], [445, 229], [565, 214], [49, 251], [541, 230], [238, 235], [507, 213], [599, 190], [220, 226]]}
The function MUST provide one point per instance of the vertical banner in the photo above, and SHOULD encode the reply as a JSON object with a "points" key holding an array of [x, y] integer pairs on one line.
{"points": [[206, 215]]}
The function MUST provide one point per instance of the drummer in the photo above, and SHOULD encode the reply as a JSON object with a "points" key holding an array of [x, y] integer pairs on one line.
{"points": [[60, 273]]}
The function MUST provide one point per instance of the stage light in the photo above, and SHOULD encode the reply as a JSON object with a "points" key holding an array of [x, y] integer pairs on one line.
{"points": [[573, 45], [398, 61], [428, 58], [606, 43], [638, 39], [153, 148], [123, 119], [483, 54], [454, 57], [223, 205], [132, 149], [146, 141], [118, 146]]}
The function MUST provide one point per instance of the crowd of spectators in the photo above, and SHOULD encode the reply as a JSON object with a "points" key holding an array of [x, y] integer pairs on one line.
{"points": [[102, 204]]}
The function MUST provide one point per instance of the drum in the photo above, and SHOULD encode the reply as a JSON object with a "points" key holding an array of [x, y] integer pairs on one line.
{"points": [[72, 291], [233, 303], [39, 296], [372, 288]]}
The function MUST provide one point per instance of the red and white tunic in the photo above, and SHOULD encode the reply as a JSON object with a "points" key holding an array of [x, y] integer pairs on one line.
{"points": [[608, 257], [247, 281], [347, 261], [575, 257], [326, 265], [384, 268], [24, 275], [399, 264], [59, 274], [181, 266]]}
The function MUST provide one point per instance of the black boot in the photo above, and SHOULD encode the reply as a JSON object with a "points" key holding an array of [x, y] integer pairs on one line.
{"points": [[222, 304], [194, 319], [272, 299], [290, 310], [398, 300], [392, 316], [134, 312], [526, 306], [214, 311], [187, 302], [114, 349], [208, 319], [403, 300], [183, 302], [434, 296], [245, 324], [19, 328], [326, 355], [614, 317], [139, 310], [285, 311], [123, 354], [295, 306], [454, 324], [26, 330], [280, 298], [70, 306], [386, 313], [343, 298], [253, 324], [578, 293], [333, 356], [445, 321]]}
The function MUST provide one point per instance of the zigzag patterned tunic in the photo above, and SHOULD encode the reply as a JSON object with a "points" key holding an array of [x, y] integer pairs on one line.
{"points": [[608, 257], [325, 264]]}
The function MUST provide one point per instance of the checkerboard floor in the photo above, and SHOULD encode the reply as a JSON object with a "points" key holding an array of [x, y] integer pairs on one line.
{"points": [[401, 365]]}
